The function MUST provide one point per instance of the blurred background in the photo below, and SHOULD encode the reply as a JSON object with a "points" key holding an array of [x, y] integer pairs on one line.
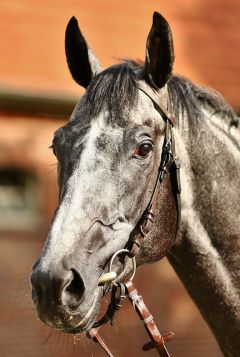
{"points": [[37, 96]]}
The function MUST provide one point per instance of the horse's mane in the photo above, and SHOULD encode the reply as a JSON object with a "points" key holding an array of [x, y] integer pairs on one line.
{"points": [[188, 97], [116, 89]]}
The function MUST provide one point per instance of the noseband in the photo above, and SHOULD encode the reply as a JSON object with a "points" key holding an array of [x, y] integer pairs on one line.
{"points": [[169, 165]]}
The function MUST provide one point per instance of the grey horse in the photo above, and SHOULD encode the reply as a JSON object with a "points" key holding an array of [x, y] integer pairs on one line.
{"points": [[108, 157]]}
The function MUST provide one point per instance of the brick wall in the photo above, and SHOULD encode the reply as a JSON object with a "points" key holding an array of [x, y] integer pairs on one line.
{"points": [[206, 37]]}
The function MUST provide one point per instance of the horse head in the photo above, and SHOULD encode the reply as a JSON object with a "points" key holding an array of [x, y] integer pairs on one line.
{"points": [[108, 160]]}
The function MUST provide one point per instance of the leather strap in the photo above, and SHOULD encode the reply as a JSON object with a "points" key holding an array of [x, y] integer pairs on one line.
{"points": [[168, 161], [169, 164], [94, 335], [114, 306], [155, 98], [157, 340]]}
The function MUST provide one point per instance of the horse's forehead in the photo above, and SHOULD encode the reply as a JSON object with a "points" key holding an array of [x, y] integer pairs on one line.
{"points": [[103, 131], [102, 135], [145, 114]]}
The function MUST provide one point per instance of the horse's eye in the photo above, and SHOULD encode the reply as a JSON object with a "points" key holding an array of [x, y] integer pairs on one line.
{"points": [[143, 150]]}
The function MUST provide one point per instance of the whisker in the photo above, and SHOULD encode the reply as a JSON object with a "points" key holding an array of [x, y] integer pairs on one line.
{"points": [[23, 296], [48, 337]]}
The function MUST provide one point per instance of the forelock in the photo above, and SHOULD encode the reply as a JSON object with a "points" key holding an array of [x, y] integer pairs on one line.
{"points": [[115, 90]]}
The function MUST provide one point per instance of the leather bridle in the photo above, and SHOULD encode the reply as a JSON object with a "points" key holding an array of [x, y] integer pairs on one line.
{"points": [[168, 161], [169, 165]]}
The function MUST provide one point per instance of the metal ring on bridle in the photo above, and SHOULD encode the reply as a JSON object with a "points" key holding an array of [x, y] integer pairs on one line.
{"points": [[133, 263]]}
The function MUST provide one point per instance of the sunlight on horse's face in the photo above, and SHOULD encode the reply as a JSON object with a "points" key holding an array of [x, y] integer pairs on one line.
{"points": [[106, 174]]}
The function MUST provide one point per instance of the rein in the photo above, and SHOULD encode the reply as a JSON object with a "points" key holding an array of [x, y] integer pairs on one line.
{"points": [[169, 165]]}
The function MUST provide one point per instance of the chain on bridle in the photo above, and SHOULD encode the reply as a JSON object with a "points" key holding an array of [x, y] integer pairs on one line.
{"points": [[122, 290]]}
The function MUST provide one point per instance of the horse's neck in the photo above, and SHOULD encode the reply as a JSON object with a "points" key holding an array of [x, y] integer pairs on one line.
{"points": [[206, 254]]}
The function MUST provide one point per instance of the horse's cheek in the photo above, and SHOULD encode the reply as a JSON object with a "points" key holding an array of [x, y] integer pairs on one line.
{"points": [[162, 236]]}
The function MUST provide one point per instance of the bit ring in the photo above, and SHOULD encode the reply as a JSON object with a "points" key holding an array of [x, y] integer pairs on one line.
{"points": [[133, 263]]}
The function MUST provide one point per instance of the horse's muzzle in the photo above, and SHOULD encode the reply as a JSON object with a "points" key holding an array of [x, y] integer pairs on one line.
{"points": [[64, 286], [58, 296]]}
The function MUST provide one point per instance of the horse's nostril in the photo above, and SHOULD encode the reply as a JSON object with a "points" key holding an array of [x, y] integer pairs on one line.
{"points": [[73, 291]]}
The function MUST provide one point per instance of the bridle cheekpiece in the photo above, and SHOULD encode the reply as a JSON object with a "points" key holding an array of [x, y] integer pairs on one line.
{"points": [[121, 290]]}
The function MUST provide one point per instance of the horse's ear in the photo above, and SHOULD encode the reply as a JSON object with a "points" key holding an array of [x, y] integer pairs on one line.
{"points": [[81, 61], [159, 53]]}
